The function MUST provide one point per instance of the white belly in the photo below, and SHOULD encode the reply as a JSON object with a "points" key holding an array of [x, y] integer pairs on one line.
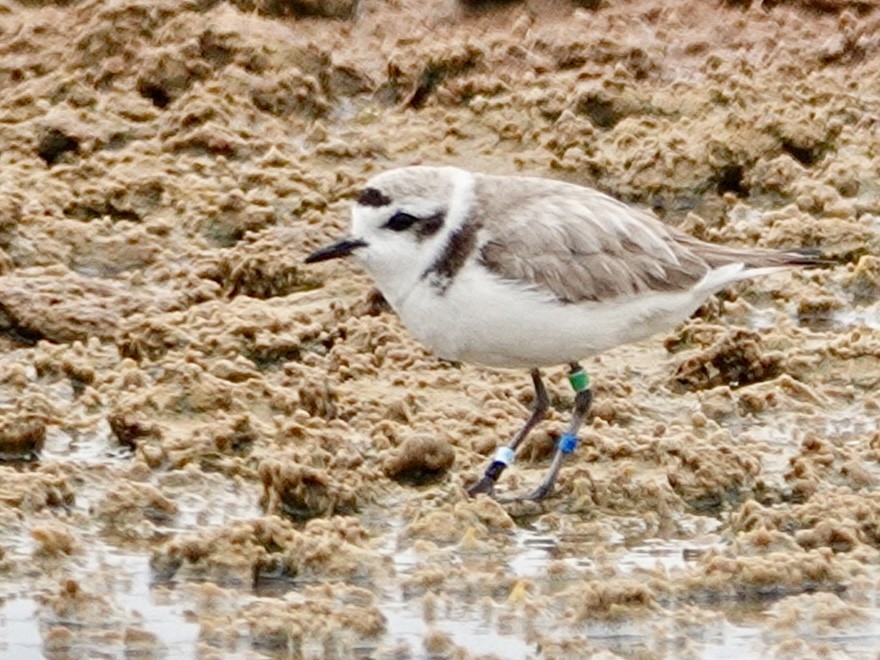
{"points": [[484, 320]]}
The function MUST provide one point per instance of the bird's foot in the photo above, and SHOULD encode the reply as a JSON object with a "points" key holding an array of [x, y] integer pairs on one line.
{"points": [[485, 485], [537, 495], [543, 490]]}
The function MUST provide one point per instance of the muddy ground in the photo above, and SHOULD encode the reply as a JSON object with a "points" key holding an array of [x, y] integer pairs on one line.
{"points": [[210, 450]]}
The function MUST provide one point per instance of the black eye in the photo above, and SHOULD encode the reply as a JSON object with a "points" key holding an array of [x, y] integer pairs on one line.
{"points": [[400, 221]]}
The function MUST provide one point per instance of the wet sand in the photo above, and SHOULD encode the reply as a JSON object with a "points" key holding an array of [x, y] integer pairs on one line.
{"points": [[208, 449]]}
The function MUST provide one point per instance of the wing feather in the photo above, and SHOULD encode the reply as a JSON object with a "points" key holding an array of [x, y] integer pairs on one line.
{"points": [[579, 244]]}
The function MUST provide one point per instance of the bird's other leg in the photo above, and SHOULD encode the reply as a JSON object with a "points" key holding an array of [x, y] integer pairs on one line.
{"points": [[504, 455], [580, 382]]}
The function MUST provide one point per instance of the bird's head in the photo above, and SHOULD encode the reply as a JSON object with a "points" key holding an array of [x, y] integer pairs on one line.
{"points": [[400, 222]]}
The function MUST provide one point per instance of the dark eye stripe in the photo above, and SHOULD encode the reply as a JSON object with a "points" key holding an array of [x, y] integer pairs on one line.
{"points": [[424, 227], [400, 221], [431, 225]]}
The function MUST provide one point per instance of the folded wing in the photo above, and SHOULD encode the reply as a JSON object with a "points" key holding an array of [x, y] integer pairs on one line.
{"points": [[579, 245]]}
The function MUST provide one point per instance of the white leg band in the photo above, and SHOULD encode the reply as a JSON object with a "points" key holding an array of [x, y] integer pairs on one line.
{"points": [[504, 455]]}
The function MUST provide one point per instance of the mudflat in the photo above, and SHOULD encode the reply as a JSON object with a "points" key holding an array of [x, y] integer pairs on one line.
{"points": [[208, 449]]}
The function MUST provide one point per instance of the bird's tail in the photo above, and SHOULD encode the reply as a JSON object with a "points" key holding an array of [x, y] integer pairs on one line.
{"points": [[799, 258], [733, 264], [753, 258]]}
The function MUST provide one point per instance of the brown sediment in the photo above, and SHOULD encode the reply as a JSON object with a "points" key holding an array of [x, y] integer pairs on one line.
{"points": [[419, 460], [735, 359], [72, 602], [270, 548], [133, 510], [303, 492], [47, 486], [22, 438], [54, 540], [176, 384]]}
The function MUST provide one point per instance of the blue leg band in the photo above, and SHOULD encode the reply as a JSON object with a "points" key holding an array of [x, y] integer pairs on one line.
{"points": [[568, 443]]}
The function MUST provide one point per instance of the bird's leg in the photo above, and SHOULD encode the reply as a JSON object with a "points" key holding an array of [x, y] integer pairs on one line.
{"points": [[580, 382], [504, 455]]}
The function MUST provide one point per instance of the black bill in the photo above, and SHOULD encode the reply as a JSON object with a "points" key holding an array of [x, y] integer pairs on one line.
{"points": [[341, 249]]}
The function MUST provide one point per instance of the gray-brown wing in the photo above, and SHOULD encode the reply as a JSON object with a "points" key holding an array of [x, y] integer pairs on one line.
{"points": [[579, 244]]}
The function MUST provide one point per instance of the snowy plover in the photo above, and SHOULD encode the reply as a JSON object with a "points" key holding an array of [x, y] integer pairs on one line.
{"points": [[510, 271]]}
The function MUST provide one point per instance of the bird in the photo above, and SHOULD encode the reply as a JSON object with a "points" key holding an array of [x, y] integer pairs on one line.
{"points": [[526, 272]]}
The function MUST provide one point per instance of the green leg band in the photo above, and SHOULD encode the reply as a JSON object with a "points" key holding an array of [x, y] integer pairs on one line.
{"points": [[579, 380]]}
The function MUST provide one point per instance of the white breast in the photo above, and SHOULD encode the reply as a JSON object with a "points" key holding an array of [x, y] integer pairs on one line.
{"points": [[481, 318]]}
